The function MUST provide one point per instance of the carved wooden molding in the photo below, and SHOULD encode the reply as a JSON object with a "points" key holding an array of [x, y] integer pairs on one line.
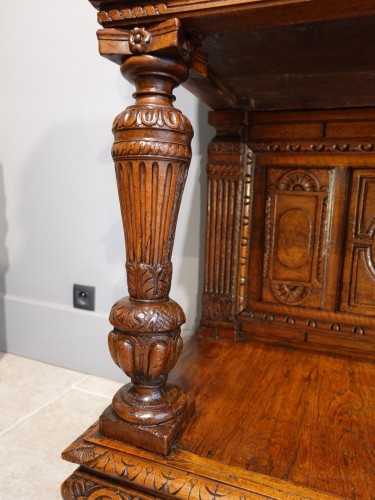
{"points": [[220, 146], [225, 170], [311, 147], [152, 117], [243, 264], [170, 8], [83, 486], [154, 477], [180, 475], [310, 324], [114, 43]]}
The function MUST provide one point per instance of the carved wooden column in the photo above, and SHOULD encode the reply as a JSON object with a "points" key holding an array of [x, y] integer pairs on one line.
{"points": [[229, 171], [151, 154]]}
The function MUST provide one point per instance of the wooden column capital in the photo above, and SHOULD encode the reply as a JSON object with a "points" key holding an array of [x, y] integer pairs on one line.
{"points": [[118, 44]]}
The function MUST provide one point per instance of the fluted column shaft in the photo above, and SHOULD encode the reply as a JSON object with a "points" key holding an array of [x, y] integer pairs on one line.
{"points": [[151, 154]]}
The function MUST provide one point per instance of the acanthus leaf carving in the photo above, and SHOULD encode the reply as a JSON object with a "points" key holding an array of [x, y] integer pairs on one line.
{"points": [[149, 281], [145, 357], [144, 317]]}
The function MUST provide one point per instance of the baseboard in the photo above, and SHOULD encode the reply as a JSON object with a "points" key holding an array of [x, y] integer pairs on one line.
{"points": [[59, 335]]}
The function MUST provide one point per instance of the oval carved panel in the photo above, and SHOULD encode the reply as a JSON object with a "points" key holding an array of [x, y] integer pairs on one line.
{"points": [[294, 238]]}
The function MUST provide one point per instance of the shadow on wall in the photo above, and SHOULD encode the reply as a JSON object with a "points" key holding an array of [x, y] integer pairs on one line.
{"points": [[4, 262]]}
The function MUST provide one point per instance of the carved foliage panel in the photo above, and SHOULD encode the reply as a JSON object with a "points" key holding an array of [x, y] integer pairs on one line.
{"points": [[295, 243], [358, 294]]}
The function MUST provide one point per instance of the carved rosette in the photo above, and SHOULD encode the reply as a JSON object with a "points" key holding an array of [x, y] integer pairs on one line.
{"points": [[151, 152]]}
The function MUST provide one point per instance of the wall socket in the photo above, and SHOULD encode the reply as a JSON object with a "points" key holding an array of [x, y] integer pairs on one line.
{"points": [[84, 297]]}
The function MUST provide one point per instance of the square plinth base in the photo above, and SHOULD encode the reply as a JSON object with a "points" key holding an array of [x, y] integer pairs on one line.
{"points": [[155, 438]]}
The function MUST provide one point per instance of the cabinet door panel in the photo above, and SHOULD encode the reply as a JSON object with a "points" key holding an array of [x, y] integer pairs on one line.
{"points": [[358, 290], [295, 236]]}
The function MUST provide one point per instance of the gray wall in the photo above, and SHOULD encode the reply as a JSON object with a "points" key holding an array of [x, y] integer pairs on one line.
{"points": [[59, 216]]}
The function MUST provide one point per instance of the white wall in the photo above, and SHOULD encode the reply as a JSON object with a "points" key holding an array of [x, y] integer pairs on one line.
{"points": [[59, 215]]}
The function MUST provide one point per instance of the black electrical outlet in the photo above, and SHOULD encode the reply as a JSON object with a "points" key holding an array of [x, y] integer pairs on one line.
{"points": [[84, 297]]}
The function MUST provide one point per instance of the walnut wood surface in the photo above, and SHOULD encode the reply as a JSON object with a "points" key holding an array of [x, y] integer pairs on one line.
{"points": [[290, 255], [291, 67], [121, 472], [228, 170], [294, 424], [300, 416], [293, 54], [152, 153], [306, 224]]}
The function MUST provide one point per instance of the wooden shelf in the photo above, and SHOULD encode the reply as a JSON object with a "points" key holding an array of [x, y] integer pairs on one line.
{"points": [[305, 423]]}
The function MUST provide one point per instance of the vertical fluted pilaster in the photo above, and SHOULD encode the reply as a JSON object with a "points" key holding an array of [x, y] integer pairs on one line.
{"points": [[228, 194]]}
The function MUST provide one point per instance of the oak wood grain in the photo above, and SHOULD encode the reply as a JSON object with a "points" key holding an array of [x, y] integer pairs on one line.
{"points": [[300, 416]]}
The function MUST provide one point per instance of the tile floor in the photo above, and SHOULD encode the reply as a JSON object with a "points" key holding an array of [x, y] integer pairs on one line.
{"points": [[43, 409]]}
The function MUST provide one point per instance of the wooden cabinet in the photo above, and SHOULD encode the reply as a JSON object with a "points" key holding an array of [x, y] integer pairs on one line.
{"points": [[289, 256], [308, 217]]}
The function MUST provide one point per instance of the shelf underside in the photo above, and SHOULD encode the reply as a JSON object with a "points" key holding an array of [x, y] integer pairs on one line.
{"points": [[327, 64]]}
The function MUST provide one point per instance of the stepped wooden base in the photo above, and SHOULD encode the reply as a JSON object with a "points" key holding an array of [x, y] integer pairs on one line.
{"points": [[156, 438], [82, 485], [116, 471]]}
